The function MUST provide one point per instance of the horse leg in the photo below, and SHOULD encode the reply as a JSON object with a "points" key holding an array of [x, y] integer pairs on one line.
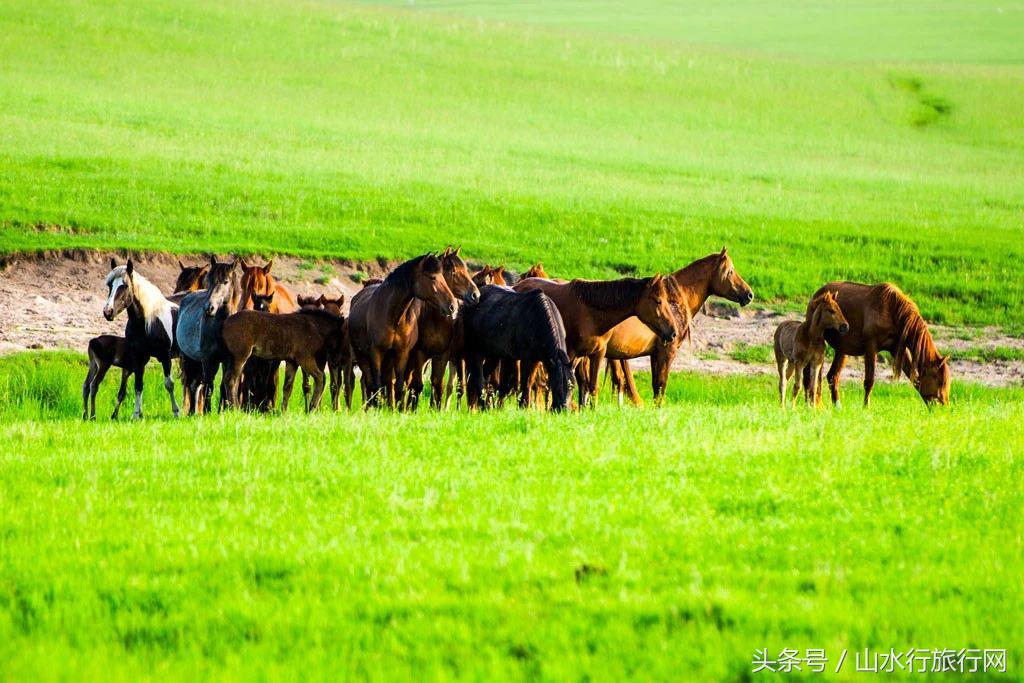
{"points": [[870, 357], [834, 371], [290, 369], [475, 387], [527, 375], [797, 375], [614, 369], [140, 371], [594, 377], [350, 382], [87, 387], [400, 370], [310, 367], [781, 366], [812, 393], [122, 391], [169, 383], [232, 382], [582, 372], [438, 365]]}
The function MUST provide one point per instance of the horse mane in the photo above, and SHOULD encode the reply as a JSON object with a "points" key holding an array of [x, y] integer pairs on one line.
{"points": [[709, 260], [609, 294], [683, 312], [403, 276], [149, 296], [914, 334]]}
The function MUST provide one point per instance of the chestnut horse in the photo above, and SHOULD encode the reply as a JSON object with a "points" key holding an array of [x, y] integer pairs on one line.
{"points": [[260, 377], [591, 309], [536, 270], [882, 318], [190, 278], [490, 276], [383, 324], [438, 339], [690, 287], [801, 344]]}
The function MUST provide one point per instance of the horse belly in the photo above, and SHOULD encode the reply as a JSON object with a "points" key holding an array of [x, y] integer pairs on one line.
{"points": [[631, 339]]}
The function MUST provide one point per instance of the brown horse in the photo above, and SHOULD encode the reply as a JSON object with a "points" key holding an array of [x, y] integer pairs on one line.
{"points": [[800, 345], [592, 309], [882, 318], [190, 278], [259, 383], [383, 324], [437, 338], [536, 270], [343, 375], [690, 287], [308, 339], [490, 276]]}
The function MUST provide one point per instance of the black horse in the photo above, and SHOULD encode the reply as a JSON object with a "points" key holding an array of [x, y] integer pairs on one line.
{"points": [[149, 332], [522, 327]]}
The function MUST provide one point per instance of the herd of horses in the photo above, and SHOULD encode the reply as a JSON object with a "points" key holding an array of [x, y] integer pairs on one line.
{"points": [[492, 338]]}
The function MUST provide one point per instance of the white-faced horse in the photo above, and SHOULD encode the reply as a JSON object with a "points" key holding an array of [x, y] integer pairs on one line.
{"points": [[150, 329]]}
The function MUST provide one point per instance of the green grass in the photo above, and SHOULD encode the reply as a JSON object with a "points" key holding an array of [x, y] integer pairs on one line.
{"points": [[446, 545], [756, 354], [988, 354], [915, 30], [327, 129]]}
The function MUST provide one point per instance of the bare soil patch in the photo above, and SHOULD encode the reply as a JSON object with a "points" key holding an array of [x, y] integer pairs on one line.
{"points": [[53, 300]]}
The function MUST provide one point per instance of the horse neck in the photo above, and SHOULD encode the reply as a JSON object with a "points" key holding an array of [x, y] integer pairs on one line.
{"points": [[397, 300], [608, 317], [147, 300], [694, 282]]}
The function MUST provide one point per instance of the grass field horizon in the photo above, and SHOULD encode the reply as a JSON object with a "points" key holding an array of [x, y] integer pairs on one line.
{"points": [[334, 129]]}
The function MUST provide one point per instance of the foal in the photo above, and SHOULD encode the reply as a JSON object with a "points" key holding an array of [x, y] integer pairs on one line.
{"points": [[800, 345], [104, 351]]}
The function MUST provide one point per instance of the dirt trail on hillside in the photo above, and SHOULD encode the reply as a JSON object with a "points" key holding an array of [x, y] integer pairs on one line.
{"points": [[53, 301]]}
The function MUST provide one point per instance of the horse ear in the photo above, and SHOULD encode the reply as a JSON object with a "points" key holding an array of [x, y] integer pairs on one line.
{"points": [[945, 359], [500, 269], [458, 250], [181, 265], [113, 263], [130, 268], [234, 265], [266, 268], [213, 260]]}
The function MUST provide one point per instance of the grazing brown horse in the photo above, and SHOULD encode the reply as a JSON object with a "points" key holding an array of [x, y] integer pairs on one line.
{"points": [[105, 351], [536, 270], [190, 278], [437, 337], [259, 382], [307, 339], [800, 345], [342, 376], [690, 287], [490, 276], [882, 318], [592, 309], [383, 324]]}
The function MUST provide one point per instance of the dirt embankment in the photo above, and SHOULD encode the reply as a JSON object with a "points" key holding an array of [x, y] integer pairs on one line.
{"points": [[54, 300]]}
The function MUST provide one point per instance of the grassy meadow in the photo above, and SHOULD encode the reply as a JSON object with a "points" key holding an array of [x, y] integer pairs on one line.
{"points": [[321, 127], [444, 545], [868, 141]]}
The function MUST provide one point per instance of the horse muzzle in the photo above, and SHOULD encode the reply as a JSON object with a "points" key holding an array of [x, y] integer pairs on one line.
{"points": [[667, 339], [844, 328], [210, 311], [746, 298], [108, 313], [472, 298]]}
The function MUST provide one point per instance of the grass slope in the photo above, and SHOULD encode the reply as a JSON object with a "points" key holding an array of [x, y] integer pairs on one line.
{"points": [[324, 128], [446, 545]]}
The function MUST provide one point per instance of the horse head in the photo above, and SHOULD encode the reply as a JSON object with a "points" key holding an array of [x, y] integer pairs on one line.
{"points": [[828, 315], [262, 302], [932, 381], [457, 277], [727, 283], [655, 310], [256, 280], [428, 285], [120, 289], [221, 286], [190, 278]]}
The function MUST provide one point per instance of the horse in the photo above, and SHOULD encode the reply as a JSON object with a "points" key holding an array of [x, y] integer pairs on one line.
{"points": [[882, 318], [437, 337], [202, 314], [259, 382], [149, 332], [341, 369], [800, 345], [105, 351], [690, 287], [591, 309], [308, 339], [536, 270], [490, 276], [523, 327], [190, 278], [383, 324]]}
